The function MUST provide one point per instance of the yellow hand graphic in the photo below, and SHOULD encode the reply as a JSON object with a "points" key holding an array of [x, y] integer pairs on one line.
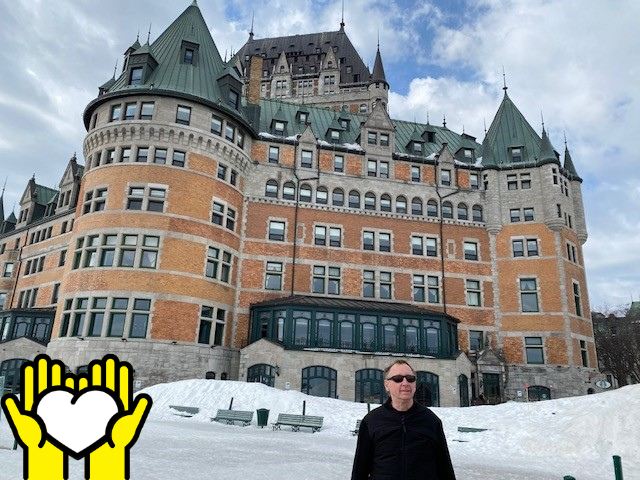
{"points": [[42, 460], [110, 461]]}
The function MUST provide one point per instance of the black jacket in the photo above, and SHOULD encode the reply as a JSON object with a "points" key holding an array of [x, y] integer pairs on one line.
{"points": [[395, 445]]}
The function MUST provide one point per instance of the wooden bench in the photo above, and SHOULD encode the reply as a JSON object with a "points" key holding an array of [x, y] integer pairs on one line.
{"points": [[232, 416], [297, 421], [356, 430], [184, 411], [471, 429]]}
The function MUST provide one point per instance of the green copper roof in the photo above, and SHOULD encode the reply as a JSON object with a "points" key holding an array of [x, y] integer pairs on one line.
{"points": [[322, 119], [44, 195], [510, 129], [171, 73], [547, 151]]}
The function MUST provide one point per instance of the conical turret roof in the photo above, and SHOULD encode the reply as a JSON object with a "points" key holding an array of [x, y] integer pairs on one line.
{"points": [[569, 166], [378, 70], [547, 152]]}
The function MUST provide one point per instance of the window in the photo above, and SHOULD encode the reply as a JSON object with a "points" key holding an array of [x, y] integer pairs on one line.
{"points": [[354, 199], [384, 139], [130, 110], [183, 115], [516, 154], [276, 231], [385, 203], [139, 318], [135, 76], [372, 168], [583, 353], [229, 132], [525, 181], [528, 214], [477, 213], [271, 190], [463, 212], [240, 139], [433, 289], [146, 198], [514, 214], [146, 110], [319, 381], [335, 237], [372, 138], [289, 191], [305, 193], [326, 280], [473, 293], [401, 204], [320, 235], [274, 154], [416, 206], [476, 340], [368, 284], [273, 276], [322, 196], [418, 288], [337, 197], [216, 125], [160, 156], [233, 99], [369, 242], [363, 107], [188, 56], [143, 154], [218, 266], [445, 177], [576, 298], [125, 155], [417, 245], [385, 285], [8, 270], [223, 214], [532, 247], [512, 182], [110, 157], [178, 158], [338, 163], [518, 248], [470, 251], [432, 208], [474, 181], [306, 159], [208, 325], [447, 210], [369, 201], [534, 350], [369, 280], [222, 172], [115, 113], [529, 295], [94, 201]]}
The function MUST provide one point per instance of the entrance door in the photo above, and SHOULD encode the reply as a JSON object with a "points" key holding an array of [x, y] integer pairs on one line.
{"points": [[491, 387]]}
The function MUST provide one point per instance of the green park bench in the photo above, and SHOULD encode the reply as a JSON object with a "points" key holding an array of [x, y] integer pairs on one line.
{"points": [[356, 430], [297, 421], [471, 429], [232, 416], [184, 411]]}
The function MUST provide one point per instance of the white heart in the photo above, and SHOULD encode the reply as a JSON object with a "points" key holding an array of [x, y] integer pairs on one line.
{"points": [[77, 421]]}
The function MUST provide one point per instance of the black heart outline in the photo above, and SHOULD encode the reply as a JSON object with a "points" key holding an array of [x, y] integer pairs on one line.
{"points": [[75, 396]]}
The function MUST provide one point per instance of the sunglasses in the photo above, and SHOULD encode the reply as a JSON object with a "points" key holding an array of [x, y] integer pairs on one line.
{"points": [[399, 378]]}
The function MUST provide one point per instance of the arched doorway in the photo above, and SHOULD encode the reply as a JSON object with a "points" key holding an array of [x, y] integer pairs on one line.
{"points": [[427, 389], [370, 386]]}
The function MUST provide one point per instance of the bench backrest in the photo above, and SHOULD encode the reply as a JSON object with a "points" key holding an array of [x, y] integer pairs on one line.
{"points": [[235, 414], [190, 410], [304, 420]]}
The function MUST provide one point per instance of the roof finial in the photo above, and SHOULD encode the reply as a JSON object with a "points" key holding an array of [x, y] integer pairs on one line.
{"points": [[444, 121], [138, 36], [427, 116], [4, 186], [565, 139], [463, 132], [342, 21], [253, 15], [115, 68], [542, 117], [504, 80], [149, 34], [225, 56], [484, 120], [378, 38]]}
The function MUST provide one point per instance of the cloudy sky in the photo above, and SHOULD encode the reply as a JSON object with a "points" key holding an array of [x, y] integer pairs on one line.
{"points": [[576, 62]]}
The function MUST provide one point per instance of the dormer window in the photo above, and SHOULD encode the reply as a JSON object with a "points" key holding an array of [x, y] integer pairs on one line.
{"points": [[135, 76], [516, 154], [468, 153], [329, 64], [278, 128], [344, 123], [417, 148], [431, 137], [302, 118], [189, 53], [233, 99], [281, 68], [335, 136]]}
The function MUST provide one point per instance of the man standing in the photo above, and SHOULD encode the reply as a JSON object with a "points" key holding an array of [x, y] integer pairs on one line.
{"points": [[402, 440]]}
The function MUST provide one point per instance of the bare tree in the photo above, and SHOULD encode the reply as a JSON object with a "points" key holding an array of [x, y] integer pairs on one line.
{"points": [[617, 337]]}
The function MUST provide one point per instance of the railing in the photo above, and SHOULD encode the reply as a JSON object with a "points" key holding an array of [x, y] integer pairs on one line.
{"points": [[617, 468]]}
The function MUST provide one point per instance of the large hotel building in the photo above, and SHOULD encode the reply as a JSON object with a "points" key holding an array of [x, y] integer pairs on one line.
{"points": [[264, 219]]}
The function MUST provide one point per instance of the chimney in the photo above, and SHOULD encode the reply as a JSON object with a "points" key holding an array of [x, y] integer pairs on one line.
{"points": [[255, 80]]}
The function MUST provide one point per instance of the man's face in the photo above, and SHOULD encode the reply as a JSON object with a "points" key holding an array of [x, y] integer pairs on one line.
{"points": [[404, 390]]}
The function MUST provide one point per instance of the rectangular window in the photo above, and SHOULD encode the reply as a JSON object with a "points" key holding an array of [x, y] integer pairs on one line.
{"points": [[143, 154], [368, 284], [276, 231], [532, 247], [583, 353], [476, 340], [372, 168], [528, 214], [416, 245], [110, 157], [183, 115], [178, 158], [576, 299], [470, 251], [125, 155], [384, 169], [384, 242], [534, 350], [418, 288], [335, 237], [434, 289], [518, 248], [385, 285], [473, 293], [216, 125], [474, 181], [445, 177], [431, 244], [8, 270], [222, 172], [273, 276], [372, 138], [130, 110], [338, 163], [415, 174], [512, 182], [135, 77], [146, 111], [230, 132], [115, 113], [384, 139], [306, 159], [368, 240], [514, 214], [525, 181], [160, 156], [320, 235], [140, 318], [529, 295], [274, 154]]}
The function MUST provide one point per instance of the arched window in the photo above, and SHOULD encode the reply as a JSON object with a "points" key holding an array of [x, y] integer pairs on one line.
{"points": [[42, 330], [337, 197], [271, 189], [432, 340], [432, 208], [301, 322], [463, 212], [319, 381], [347, 322], [401, 204], [363, 108], [261, 373], [10, 370], [447, 210], [477, 213], [369, 201], [538, 393], [281, 68], [210, 375], [305, 193], [370, 386], [385, 203], [416, 206], [368, 332], [324, 329], [289, 191], [463, 387], [427, 389], [390, 334], [21, 327], [322, 195], [354, 199]]}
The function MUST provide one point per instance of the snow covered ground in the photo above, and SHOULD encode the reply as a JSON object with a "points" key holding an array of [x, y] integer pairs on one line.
{"points": [[541, 441]]}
